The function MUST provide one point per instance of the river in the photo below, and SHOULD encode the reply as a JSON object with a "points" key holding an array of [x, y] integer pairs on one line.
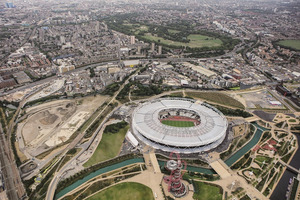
{"points": [[229, 162], [281, 188], [97, 173], [232, 159]]}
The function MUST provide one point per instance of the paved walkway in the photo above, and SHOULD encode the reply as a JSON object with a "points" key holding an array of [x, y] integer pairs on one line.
{"points": [[229, 184], [251, 119]]}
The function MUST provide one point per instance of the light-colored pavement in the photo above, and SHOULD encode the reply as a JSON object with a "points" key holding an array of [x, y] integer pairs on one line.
{"points": [[220, 169]]}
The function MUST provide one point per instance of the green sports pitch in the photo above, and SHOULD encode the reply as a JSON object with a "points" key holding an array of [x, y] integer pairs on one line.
{"points": [[178, 123]]}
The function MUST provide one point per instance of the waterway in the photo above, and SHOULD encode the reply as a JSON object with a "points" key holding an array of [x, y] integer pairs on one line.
{"points": [[281, 188], [192, 169], [97, 173], [229, 162], [232, 159]]}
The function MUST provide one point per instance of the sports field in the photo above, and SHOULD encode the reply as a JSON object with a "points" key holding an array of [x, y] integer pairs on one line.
{"points": [[294, 44], [125, 191], [178, 123]]}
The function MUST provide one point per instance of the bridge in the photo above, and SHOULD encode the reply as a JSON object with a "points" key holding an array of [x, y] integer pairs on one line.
{"points": [[221, 168], [291, 168]]}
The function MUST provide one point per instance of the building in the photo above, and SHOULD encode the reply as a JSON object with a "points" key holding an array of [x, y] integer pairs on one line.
{"points": [[21, 77], [159, 50], [139, 49], [283, 90], [62, 39], [152, 46], [132, 39], [207, 125], [7, 83], [10, 5], [131, 63]]}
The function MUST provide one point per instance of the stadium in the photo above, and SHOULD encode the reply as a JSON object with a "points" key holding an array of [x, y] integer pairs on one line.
{"points": [[179, 124]]}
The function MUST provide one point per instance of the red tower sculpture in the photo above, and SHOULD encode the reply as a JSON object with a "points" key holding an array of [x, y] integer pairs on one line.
{"points": [[175, 185]]}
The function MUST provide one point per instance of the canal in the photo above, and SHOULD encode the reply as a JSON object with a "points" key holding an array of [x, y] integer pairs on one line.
{"points": [[97, 173], [229, 162], [281, 188], [255, 139]]}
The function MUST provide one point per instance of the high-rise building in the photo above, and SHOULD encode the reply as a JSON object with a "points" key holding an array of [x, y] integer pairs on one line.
{"points": [[139, 49], [153, 46], [9, 5], [97, 27], [62, 39], [132, 39], [159, 50]]}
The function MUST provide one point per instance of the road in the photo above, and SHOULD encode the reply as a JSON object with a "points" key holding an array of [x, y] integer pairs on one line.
{"points": [[58, 174], [281, 99], [49, 79], [26, 39], [30, 85], [14, 187]]}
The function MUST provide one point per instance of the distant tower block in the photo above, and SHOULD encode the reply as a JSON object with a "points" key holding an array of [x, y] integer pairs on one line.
{"points": [[152, 46], [132, 39], [62, 39], [159, 50], [139, 49], [176, 187], [97, 27]]}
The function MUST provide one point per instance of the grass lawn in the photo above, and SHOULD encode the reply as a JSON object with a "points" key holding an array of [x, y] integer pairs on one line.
{"points": [[217, 97], [108, 147], [125, 191], [294, 44], [206, 192], [173, 31], [196, 41], [178, 123], [235, 88], [263, 158]]}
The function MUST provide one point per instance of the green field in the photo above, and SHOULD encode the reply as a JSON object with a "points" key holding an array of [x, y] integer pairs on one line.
{"points": [[178, 123], [108, 147], [196, 41], [204, 191], [294, 44], [125, 191], [173, 31], [217, 97]]}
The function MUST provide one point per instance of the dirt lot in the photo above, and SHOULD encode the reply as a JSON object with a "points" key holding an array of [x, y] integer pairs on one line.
{"points": [[50, 124], [259, 100]]}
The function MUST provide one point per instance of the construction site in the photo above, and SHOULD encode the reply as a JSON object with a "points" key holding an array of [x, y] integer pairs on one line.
{"points": [[49, 125]]}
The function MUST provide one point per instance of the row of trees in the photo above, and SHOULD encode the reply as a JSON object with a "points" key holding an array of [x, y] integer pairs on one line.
{"points": [[80, 175], [115, 128]]}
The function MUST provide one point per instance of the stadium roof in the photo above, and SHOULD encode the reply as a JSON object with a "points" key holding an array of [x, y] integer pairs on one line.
{"points": [[147, 126]]}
